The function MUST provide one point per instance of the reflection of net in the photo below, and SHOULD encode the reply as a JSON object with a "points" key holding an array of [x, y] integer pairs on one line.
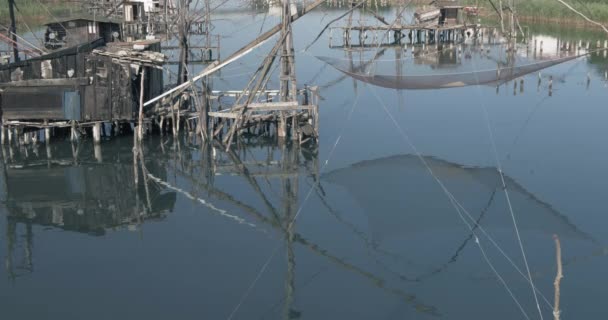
{"points": [[494, 76]]}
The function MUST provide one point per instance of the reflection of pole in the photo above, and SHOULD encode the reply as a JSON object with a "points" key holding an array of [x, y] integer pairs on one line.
{"points": [[29, 244], [291, 235], [289, 280], [290, 200], [10, 247]]}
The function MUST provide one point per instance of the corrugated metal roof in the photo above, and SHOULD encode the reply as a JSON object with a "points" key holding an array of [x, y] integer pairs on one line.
{"points": [[83, 17]]}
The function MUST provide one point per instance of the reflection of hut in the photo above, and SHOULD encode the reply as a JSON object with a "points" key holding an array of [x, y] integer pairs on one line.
{"points": [[450, 11], [87, 197], [78, 30], [440, 59]]}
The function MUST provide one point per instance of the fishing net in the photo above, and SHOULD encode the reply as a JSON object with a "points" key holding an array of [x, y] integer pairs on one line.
{"points": [[456, 66]]}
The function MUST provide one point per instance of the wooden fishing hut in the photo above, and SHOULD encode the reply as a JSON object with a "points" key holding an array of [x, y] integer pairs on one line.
{"points": [[439, 21], [81, 86], [77, 30], [450, 12]]}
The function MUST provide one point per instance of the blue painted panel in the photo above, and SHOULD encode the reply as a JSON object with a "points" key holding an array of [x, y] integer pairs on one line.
{"points": [[71, 105]]}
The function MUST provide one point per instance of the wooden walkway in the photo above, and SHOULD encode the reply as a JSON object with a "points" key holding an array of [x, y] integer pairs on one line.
{"points": [[397, 34]]}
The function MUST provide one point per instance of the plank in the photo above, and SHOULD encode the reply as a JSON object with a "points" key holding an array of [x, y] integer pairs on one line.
{"points": [[68, 82]]}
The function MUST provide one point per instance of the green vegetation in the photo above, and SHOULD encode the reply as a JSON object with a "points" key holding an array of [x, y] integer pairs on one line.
{"points": [[552, 10], [35, 11]]}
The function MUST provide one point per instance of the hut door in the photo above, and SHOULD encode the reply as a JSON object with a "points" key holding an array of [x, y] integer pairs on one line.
{"points": [[122, 97], [71, 105]]}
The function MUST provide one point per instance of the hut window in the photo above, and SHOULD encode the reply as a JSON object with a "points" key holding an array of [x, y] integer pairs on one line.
{"points": [[46, 69], [102, 71], [71, 24], [92, 27]]}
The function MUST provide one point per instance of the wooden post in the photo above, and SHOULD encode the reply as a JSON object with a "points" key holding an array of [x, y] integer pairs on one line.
{"points": [[558, 278], [203, 114], [13, 30], [26, 137], [135, 170], [288, 88], [173, 125], [49, 154], [73, 132], [47, 132], [282, 126], [97, 132], [183, 28], [294, 126], [2, 134], [140, 126]]}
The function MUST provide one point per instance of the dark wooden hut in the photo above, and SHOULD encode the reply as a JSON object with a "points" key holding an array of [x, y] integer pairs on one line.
{"points": [[88, 82], [81, 29], [450, 12]]}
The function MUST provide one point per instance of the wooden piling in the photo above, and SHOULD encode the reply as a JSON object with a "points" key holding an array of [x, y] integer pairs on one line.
{"points": [[140, 126], [47, 132], [73, 132], [2, 134], [97, 132]]}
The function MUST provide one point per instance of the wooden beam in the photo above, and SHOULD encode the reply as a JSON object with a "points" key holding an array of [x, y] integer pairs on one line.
{"points": [[47, 82], [231, 115], [238, 54]]}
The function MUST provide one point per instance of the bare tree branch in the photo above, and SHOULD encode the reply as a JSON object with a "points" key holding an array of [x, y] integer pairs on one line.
{"points": [[582, 15]]}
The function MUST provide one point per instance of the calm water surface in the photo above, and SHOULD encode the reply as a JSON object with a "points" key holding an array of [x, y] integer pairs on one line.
{"points": [[205, 234]]}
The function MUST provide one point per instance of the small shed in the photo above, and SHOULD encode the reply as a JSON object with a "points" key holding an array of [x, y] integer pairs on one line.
{"points": [[450, 12], [89, 82], [74, 31]]}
